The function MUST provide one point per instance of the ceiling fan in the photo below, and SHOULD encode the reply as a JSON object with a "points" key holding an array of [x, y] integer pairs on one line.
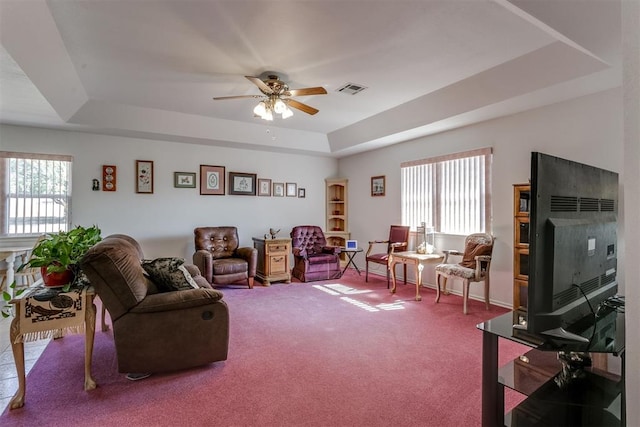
{"points": [[276, 97]]}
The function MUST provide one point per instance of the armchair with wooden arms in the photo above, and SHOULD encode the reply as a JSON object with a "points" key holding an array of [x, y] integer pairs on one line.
{"points": [[398, 241], [474, 267]]}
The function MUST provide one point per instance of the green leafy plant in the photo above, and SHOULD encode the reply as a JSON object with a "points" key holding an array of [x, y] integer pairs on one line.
{"points": [[64, 250], [57, 252], [6, 310]]}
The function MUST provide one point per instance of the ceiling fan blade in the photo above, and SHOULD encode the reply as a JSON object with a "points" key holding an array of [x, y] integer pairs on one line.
{"points": [[300, 106], [263, 87], [217, 98], [306, 91]]}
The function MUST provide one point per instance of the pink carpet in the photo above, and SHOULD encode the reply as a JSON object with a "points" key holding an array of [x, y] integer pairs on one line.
{"points": [[335, 353]]}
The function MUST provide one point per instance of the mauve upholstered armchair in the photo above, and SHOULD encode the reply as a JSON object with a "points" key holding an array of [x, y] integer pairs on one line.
{"points": [[313, 259], [220, 258], [155, 330]]}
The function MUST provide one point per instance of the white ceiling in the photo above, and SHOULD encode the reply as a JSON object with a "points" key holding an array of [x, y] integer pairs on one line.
{"points": [[150, 68]]}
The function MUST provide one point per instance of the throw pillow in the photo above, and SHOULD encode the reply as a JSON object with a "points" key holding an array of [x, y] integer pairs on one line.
{"points": [[169, 274], [472, 251], [81, 279]]}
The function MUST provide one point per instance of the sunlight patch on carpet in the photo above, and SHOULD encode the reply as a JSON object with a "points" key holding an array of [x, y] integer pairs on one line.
{"points": [[347, 290], [338, 289], [379, 307], [327, 290]]}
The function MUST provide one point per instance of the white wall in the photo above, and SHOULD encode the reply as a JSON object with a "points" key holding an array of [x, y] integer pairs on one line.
{"points": [[163, 222], [587, 130], [631, 83]]}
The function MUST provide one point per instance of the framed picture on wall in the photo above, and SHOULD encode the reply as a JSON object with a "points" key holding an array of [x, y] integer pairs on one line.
{"points": [[184, 179], [292, 189], [278, 189], [212, 180], [108, 178], [242, 184], [377, 186], [302, 193], [264, 187], [144, 176]]}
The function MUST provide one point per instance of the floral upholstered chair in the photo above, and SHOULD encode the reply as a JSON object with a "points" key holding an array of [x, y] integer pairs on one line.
{"points": [[474, 267]]}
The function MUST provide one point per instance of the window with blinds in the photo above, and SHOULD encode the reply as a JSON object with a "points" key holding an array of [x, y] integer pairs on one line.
{"points": [[35, 193], [451, 193]]}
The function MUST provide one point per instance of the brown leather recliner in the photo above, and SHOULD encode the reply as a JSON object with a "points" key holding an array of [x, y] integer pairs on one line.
{"points": [[313, 259], [221, 259], [155, 331]]}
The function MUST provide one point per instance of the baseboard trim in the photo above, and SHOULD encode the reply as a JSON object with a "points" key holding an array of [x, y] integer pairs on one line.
{"points": [[453, 292]]}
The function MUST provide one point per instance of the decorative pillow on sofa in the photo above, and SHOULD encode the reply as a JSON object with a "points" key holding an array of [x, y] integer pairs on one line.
{"points": [[81, 279], [169, 274]]}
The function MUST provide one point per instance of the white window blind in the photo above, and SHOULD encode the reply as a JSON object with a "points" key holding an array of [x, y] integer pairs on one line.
{"points": [[36, 193], [451, 193]]}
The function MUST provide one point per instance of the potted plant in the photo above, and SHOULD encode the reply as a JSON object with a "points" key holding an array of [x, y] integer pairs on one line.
{"points": [[58, 254]]}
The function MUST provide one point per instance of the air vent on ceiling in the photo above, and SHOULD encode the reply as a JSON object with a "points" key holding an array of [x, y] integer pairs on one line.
{"points": [[351, 88]]}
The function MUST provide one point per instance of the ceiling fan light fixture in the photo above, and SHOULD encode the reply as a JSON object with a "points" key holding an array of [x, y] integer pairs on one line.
{"points": [[260, 109], [266, 108], [287, 113], [277, 98], [279, 106]]}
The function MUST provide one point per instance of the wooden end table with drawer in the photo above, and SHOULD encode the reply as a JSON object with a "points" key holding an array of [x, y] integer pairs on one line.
{"points": [[273, 260]]}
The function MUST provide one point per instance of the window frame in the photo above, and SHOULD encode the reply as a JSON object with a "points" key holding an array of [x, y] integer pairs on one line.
{"points": [[5, 180], [435, 210]]}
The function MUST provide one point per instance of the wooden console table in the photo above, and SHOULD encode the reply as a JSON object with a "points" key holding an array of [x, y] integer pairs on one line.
{"points": [[273, 260], [33, 321], [418, 260]]}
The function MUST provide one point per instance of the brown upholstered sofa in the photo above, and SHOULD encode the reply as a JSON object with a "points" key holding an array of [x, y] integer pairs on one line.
{"points": [[220, 258], [313, 259], [156, 330]]}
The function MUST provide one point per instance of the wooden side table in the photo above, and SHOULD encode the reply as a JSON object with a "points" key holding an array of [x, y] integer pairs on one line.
{"points": [[412, 257], [17, 337], [273, 260]]}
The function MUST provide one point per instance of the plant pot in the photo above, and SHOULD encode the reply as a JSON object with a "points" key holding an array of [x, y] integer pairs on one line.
{"points": [[56, 280]]}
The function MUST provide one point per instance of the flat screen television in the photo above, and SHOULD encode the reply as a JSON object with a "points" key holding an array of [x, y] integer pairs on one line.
{"points": [[573, 244]]}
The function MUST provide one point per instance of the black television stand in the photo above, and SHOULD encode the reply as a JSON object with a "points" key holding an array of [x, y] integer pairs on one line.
{"points": [[560, 333], [563, 334], [592, 397]]}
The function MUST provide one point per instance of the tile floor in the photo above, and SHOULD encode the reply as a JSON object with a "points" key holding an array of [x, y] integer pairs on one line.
{"points": [[8, 375]]}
